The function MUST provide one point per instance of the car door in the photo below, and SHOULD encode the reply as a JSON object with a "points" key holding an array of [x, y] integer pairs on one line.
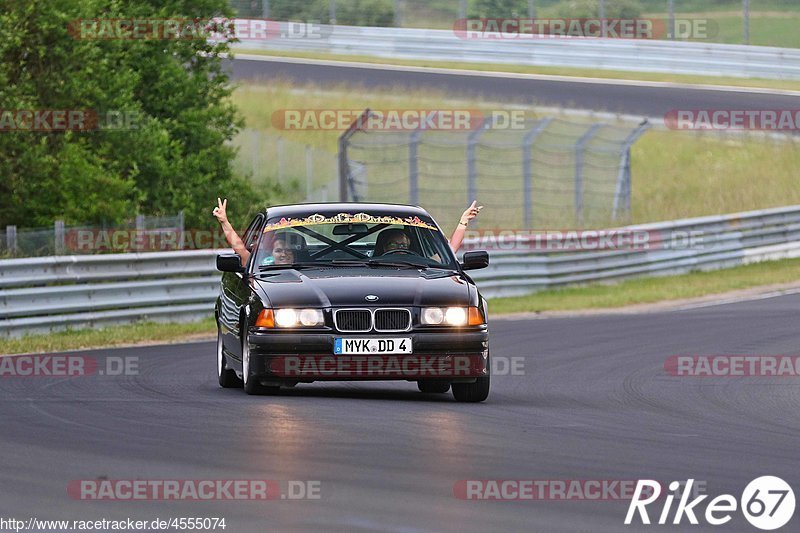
{"points": [[236, 292]]}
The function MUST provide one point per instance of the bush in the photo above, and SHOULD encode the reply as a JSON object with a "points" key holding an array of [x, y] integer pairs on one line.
{"points": [[177, 159], [578, 9]]}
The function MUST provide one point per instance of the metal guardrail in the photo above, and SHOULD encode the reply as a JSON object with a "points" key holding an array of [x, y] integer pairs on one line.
{"points": [[43, 294], [52, 293], [614, 54], [726, 241]]}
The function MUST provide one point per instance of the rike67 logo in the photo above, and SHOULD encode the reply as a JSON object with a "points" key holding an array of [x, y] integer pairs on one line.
{"points": [[767, 503]]}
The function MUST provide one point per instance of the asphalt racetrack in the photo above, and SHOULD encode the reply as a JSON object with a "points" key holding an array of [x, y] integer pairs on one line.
{"points": [[635, 98], [594, 402]]}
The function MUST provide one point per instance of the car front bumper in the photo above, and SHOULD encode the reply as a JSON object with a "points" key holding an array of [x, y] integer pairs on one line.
{"points": [[303, 357]]}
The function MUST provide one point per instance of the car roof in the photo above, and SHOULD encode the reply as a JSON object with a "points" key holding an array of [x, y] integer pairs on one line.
{"points": [[334, 208]]}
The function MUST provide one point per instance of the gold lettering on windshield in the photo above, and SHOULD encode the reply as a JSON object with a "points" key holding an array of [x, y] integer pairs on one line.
{"points": [[345, 218]]}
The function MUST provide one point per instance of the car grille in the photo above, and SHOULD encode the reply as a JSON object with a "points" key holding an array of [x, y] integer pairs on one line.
{"points": [[353, 320], [363, 320], [392, 319]]}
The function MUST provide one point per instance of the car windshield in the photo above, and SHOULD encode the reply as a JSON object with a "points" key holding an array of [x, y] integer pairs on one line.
{"points": [[353, 239]]}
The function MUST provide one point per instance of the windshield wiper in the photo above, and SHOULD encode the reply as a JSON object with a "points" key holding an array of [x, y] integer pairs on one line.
{"points": [[396, 263], [376, 262], [298, 266]]}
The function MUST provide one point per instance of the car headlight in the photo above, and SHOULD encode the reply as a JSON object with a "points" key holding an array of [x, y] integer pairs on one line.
{"points": [[293, 318], [432, 315], [452, 316]]}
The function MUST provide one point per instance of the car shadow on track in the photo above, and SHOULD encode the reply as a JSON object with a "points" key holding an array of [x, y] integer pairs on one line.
{"points": [[344, 392]]}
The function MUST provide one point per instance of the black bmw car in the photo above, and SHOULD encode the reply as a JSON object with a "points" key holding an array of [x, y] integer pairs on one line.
{"points": [[351, 291]]}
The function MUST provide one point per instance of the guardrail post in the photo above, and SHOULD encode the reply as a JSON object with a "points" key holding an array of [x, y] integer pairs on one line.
{"points": [[580, 148], [280, 158], [472, 142], [346, 187], [256, 150], [59, 237], [601, 8], [181, 228], [309, 171], [746, 20], [527, 171], [398, 15], [139, 242], [622, 192], [413, 167], [11, 239], [671, 16]]}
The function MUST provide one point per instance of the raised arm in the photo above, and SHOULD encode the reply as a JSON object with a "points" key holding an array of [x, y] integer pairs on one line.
{"points": [[230, 234], [458, 235]]}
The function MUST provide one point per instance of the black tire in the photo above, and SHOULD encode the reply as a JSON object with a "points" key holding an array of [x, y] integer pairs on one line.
{"points": [[473, 392], [434, 386], [226, 376], [251, 384]]}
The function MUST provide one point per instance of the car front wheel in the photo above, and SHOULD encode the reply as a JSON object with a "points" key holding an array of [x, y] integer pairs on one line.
{"points": [[226, 376], [473, 392], [251, 383]]}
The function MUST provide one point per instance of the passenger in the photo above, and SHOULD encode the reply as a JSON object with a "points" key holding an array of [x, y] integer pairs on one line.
{"points": [[287, 248], [458, 235], [238, 245]]}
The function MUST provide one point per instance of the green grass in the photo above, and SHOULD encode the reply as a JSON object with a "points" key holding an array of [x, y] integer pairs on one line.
{"points": [[650, 290], [108, 337], [766, 28], [788, 85], [676, 174]]}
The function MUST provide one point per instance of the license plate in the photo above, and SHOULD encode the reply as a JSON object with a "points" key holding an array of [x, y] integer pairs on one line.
{"points": [[351, 346]]}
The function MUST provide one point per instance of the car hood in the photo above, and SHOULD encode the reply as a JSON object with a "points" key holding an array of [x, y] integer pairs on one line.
{"points": [[345, 287]]}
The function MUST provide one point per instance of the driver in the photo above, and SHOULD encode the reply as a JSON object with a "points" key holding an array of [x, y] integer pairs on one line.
{"points": [[391, 239]]}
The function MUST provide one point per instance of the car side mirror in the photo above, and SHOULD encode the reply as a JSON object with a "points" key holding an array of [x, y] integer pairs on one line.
{"points": [[475, 260], [229, 263]]}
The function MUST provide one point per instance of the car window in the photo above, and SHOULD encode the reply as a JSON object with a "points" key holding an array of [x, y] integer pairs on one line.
{"points": [[347, 238], [252, 233]]}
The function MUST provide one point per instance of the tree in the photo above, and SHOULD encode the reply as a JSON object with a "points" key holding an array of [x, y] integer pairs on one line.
{"points": [[176, 158]]}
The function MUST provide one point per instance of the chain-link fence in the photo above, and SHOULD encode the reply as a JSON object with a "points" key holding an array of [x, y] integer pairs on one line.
{"points": [[142, 233], [303, 172], [551, 173]]}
